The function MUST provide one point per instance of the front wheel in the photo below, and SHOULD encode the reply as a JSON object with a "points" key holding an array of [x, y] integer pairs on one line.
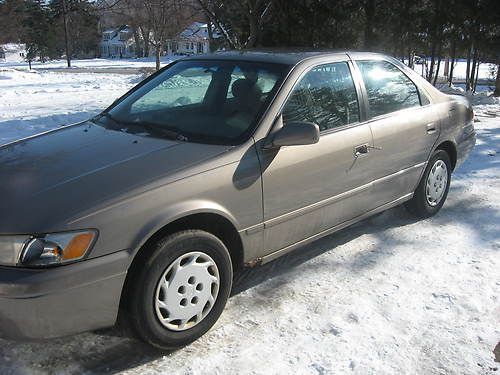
{"points": [[181, 290], [433, 188]]}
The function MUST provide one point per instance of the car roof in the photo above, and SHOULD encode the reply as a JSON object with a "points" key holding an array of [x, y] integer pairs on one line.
{"points": [[287, 57]]}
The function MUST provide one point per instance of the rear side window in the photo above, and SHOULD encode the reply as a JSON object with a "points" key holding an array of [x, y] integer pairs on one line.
{"points": [[388, 89], [325, 96]]}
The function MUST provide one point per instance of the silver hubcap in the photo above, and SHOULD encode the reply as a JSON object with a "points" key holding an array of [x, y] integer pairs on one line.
{"points": [[436, 183], [187, 290]]}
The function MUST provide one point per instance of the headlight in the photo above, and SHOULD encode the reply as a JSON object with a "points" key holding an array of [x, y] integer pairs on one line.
{"points": [[11, 248], [49, 249]]}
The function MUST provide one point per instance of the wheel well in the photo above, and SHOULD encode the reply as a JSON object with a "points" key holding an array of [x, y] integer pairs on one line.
{"points": [[213, 223], [216, 224], [451, 150]]}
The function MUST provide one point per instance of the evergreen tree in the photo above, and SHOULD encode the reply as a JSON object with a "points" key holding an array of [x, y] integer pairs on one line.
{"points": [[37, 32]]}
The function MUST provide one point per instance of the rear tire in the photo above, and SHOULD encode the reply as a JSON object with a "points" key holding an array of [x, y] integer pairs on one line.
{"points": [[180, 291], [432, 190]]}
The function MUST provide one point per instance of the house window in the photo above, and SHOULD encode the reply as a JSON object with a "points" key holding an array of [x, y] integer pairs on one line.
{"points": [[187, 45]]}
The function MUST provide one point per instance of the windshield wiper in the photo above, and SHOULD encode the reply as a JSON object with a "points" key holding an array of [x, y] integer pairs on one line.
{"points": [[152, 128], [163, 131], [106, 115]]}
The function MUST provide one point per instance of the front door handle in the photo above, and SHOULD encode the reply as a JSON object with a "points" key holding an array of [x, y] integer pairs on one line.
{"points": [[431, 128], [361, 150]]}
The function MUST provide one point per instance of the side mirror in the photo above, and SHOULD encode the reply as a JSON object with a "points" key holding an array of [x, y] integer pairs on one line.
{"points": [[293, 134]]}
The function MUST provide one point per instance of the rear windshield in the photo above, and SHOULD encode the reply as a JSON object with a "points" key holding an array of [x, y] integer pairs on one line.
{"points": [[200, 101]]}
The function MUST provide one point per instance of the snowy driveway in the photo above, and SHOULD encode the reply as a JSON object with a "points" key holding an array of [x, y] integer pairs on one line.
{"points": [[390, 295]]}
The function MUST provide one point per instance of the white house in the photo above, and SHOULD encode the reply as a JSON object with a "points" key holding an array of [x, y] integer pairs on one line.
{"points": [[118, 42], [192, 40], [12, 52]]}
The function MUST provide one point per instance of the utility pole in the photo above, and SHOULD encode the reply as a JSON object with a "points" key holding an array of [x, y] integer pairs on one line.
{"points": [[66, 38]]}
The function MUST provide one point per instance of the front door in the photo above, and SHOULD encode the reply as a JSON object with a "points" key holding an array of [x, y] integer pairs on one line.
{"points": [[309, 189]]}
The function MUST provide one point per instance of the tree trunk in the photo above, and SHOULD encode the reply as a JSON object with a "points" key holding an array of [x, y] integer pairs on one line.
{"points": [[467, 71], [452, 62], [437, 70], [211, 46], [29, 63], [137, 41], [430, 73], [477, 74], [158, 50], [410, 59], [497, 82], [473, 70], [145, 38], [66, 36]]}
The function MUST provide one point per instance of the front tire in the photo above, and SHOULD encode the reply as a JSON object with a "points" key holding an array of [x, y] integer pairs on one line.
{"points": [[432, 190], [180, 291]]}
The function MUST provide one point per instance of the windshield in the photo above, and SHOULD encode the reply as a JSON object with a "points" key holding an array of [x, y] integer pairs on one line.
{"points": [[199, 101]]}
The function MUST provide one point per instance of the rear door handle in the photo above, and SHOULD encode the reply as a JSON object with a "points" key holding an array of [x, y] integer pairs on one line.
{"points": [[431, 128], [361, 150]]}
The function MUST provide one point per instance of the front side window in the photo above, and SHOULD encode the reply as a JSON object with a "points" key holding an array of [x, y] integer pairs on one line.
{"points": [[326, 96], [200, 101], [388, 88]]}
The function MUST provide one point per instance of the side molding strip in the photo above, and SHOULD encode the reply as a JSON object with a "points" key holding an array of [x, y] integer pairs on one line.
{"points": [[336, 228], [315, 206]]}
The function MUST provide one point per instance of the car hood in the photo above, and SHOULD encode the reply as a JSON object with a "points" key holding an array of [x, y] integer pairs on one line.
{"points": [[53, 177]]}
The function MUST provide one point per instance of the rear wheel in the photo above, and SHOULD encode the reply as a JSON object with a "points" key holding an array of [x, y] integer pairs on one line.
{"points": [[432, 190], [181, 290]]}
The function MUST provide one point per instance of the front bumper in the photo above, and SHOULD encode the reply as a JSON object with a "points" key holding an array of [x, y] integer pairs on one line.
{"points": [[60, 301]]}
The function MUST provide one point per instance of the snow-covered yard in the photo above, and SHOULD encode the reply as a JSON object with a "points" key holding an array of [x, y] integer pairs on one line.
{"points": [[485, 71], [390, 295], [32, 102], [146, 62]]}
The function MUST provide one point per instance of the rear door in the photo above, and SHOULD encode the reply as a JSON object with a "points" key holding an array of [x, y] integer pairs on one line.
{"points": [[404, 127], [309, 189]]}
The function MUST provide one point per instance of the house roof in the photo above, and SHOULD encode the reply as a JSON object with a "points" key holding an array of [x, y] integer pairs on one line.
{"points": [[197, 30], [115, 35]]}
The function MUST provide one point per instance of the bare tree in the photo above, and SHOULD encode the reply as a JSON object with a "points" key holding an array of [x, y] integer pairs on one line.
{"points": [[167, 18], [238, 22]]}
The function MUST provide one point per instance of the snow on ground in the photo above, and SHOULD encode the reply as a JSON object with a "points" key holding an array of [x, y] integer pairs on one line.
{"points": [[390, 295], [32, 102], [486, 71], [146, 62]]}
